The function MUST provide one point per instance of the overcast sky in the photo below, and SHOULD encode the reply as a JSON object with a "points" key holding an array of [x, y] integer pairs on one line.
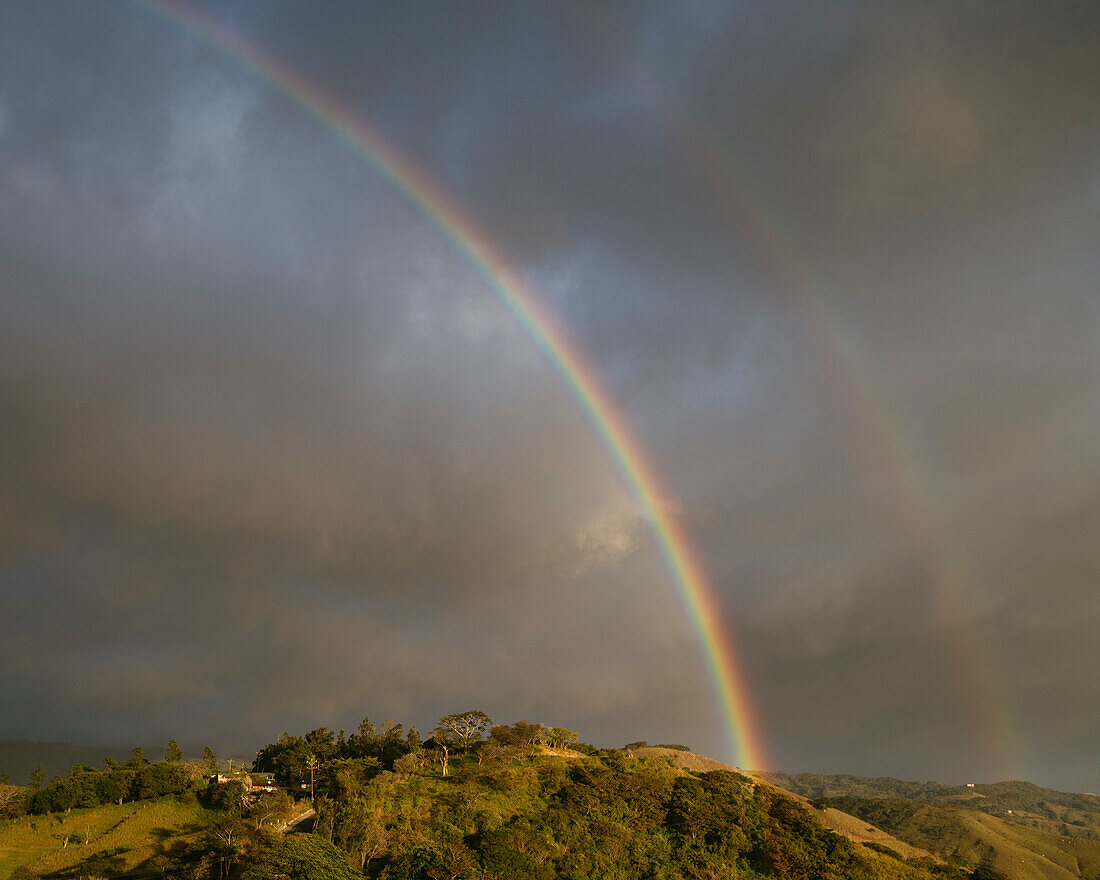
{"points": [[274, 455]]}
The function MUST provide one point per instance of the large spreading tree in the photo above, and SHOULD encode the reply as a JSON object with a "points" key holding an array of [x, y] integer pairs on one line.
{"points": [[462, 729]]}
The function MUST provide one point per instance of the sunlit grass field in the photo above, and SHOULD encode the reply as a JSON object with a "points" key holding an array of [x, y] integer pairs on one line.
{"points": [[132, 832]]}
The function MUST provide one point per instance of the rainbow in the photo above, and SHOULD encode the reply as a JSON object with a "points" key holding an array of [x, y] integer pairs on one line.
{"points": [[980, 695], [523, 302]]}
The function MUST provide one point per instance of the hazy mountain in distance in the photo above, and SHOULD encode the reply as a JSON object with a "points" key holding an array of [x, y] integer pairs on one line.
{"points": [[19, 757]]}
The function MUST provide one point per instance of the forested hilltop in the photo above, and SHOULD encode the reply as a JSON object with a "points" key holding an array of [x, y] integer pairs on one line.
{"points": [[469, 800]]}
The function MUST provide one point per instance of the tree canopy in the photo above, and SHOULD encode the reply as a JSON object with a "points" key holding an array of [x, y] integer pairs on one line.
{"points": [[462, 729]]}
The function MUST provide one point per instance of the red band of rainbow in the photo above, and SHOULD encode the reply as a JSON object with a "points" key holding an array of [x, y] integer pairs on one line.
{"points": [[519, 297]]}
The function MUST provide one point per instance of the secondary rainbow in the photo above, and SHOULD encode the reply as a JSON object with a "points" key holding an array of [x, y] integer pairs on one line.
{"points": [[981, 695], [522, 301]]}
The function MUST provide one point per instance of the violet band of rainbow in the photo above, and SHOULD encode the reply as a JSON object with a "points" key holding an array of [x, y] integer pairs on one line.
{"points": [[745, 746]]}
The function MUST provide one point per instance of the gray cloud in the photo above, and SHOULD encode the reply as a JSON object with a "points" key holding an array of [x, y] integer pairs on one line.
{"points": [[273, 454]]}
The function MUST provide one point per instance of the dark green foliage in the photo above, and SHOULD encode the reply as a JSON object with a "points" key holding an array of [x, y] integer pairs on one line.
{"points": [[301, 858], [504, 735], [226, 796], [985, 871], [677, 746], [157, 780], [923, 825], [87, 787], [527, 734], [881, 848], [524, 815], [342, 764], [288, 759], [711, 810]]}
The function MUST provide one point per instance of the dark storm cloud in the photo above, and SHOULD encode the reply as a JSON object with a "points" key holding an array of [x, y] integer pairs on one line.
{"points": [[275, 456]]}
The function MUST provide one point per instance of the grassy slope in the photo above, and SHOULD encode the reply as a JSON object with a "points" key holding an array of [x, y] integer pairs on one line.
{"points": [[143, 829], [970, 836], [685, 760]]}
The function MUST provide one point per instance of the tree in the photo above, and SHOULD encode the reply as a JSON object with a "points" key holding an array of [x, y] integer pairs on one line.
{"points": [[137, 758], [209, 761], [174, 754], [227, 833], [228, 797], [372, 843], [561, 737], [491, 750], [287, 759], [529, 734], [322, 743], [304, 857], [311, 763], [13, 801], [462, 729], [114, 785], [408, 764], [36, 778], [504, 735], [270, 808], [366, 729], [456, 862]]}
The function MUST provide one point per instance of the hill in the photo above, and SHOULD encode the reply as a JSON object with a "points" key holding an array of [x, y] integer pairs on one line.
{"points": [[1022, 803], [973, 839], [532, 802], [513, 812], [19, 757], [835, 820], [109, 840]]}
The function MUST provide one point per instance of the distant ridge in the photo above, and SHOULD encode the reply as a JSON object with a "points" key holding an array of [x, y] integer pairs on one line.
{"points": [[19, 757], [1074, 814]]}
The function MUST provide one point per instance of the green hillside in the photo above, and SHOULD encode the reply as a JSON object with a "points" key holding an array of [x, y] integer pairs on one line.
{"points": [[478, 802], [512, 807], [116, 838], [1023, 803], [973, 839], [528, 802]]}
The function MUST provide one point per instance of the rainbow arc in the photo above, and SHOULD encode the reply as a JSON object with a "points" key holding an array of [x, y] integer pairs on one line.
{"points": [[546, 331]]}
